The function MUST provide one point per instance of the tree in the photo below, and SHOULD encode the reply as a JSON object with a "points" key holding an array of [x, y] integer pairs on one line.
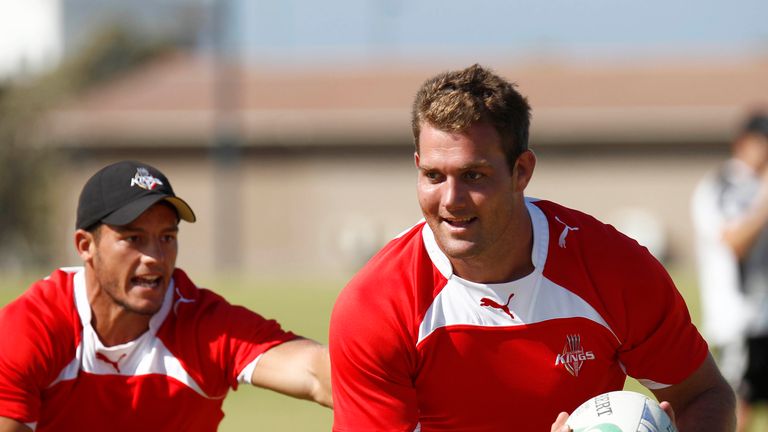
{"points": [[28, 158]]}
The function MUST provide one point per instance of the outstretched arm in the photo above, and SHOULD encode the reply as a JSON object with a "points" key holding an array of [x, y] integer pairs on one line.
{"points": [[300, 368]]}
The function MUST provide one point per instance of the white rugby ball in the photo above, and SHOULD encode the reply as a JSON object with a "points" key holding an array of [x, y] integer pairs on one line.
{"points": [[620, 411]]}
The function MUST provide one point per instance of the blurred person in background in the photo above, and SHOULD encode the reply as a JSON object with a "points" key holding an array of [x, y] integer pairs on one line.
{"points": [[730, 214], [503, 312], [128, 342]]}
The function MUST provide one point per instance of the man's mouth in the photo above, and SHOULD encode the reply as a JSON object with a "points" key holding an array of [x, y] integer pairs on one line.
{"points": [[459, 222], [152, 282]]}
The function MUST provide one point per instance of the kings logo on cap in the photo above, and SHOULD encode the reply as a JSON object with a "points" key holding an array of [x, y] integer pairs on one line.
{"points": [[145, 180]]}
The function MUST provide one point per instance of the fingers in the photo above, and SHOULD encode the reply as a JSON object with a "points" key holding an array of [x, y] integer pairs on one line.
{"points": [[559, 424], [667, 407]]}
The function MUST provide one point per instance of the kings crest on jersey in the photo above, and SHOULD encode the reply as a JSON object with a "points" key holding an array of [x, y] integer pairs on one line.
{"points": [[573, 355]]}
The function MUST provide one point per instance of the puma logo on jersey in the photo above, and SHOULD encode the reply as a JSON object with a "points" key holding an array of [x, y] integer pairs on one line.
{"points": [[485, 301], [114, 364], [179, 301], [564, 234]]}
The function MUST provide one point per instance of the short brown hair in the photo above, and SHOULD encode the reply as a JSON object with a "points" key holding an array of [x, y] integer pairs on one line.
{"points": [[454, 101]]}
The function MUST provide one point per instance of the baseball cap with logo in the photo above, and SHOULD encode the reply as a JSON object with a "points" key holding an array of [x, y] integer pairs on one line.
{"points": [[119, 193]]}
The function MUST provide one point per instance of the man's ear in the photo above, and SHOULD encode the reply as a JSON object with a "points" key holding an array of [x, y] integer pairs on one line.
{"points": [[523, 171], [85, 244], [416, 159]]}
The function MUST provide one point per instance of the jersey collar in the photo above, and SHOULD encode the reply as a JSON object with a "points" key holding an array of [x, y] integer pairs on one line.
{"points": [[538, 252], [84, 307]]}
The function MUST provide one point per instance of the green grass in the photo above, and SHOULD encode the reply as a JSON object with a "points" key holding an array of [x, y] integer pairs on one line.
{"points": [[304, 308], [301, 307]]}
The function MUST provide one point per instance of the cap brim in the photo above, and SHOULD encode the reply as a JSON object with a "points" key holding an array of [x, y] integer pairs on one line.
{"points": [[184, 210], [131, 211]]}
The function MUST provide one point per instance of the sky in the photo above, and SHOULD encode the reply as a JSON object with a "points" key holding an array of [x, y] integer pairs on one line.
{"points": [[353, 31], [30, 34], [358, 29]]}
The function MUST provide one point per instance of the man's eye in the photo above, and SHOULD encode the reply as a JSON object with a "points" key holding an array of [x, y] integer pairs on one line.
{"points": [[473, 175], [432, 175]]}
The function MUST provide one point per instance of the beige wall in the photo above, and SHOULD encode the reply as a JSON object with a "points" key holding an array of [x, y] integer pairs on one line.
{"points": [[615, 186], [324, 214]]}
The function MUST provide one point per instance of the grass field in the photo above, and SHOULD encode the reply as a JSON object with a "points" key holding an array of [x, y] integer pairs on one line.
{"points": [[304, 308], [301, 307]]}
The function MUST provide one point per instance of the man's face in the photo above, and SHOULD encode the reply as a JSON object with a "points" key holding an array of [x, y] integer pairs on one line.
{"points": [[133, 263], [467, 193]]}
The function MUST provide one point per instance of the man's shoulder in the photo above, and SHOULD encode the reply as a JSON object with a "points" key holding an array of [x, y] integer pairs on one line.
{"points": [[400, 274], [198, 307], [555, 211], [188, 295], [403, 256], [51, 298], [45, 323], [383, 303], [580, 227], [579, 239]]}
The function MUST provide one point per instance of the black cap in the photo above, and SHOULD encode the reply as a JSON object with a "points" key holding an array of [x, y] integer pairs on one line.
{"points": [[119, 193], [758, 123]]}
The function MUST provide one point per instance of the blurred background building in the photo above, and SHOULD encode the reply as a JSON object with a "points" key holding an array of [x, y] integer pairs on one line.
{"points": [[286, 124]]}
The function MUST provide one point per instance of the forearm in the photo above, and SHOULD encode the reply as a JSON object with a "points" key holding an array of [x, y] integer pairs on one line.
{"points": [[9, 425], [299, 368], [703, 402], [320, 383], [741, 234], [712, 411]]}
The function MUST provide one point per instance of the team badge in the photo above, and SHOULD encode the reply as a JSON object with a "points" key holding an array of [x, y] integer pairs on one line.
{"points": [[145, 180], [573, 355]]}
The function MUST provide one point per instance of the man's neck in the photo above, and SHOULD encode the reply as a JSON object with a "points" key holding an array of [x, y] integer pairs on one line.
{"points": [[117, 327], [510, 260], [113, 324]]}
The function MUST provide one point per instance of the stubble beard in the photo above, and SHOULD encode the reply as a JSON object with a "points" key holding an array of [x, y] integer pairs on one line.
{"points": [[111, 287], [457, 248], [127, 307]]}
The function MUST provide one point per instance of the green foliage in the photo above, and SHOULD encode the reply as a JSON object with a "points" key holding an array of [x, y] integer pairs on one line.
{"points": [[27, 155]]}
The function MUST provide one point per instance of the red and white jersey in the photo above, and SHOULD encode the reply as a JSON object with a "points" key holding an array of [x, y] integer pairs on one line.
{"points": [[55, 374], [415, 346]]}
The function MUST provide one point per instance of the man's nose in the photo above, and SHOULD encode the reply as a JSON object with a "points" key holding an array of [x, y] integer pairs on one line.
{"points": [[454, 193], [154, 251]]}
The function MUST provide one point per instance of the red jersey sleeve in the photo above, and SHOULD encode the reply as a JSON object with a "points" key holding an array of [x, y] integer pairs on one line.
{"points": [[372, 346], [229, 337], [39, 338], [659, 344], [20, 365], [662, 345]]}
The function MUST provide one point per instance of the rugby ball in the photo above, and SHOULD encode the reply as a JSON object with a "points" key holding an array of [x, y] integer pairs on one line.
{"points": [[620, 411]]}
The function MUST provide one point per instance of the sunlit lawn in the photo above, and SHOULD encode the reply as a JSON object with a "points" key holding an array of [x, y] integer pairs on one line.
{"points": [[303, 307]]}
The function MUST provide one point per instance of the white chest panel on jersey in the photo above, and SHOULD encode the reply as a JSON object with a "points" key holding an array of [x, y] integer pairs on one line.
{"points": [[143, 356]]}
